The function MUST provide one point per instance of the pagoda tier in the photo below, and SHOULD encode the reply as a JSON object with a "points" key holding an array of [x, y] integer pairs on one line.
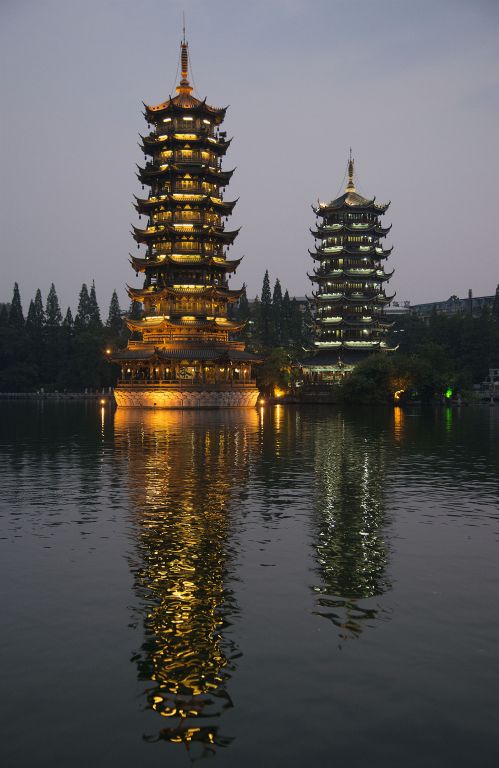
{"points": [[185, 296], [176, 142], [361, 253], [350, 200], [352, 298], [181, 233], [144, 294], [179, 176], [350, 229], [348, 304], [334, 278], [181, 260], [183, 203]]}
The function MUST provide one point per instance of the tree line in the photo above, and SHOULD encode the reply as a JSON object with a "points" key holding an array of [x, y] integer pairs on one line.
{"points": [[46, 350], [445, 353], [274, 319]]}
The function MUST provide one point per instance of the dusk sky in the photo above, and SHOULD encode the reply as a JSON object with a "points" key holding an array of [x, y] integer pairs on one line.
{"points": [[412, 87]]}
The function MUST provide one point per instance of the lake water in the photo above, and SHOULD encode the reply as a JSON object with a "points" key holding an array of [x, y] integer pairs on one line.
{"points": [[281, 587]]}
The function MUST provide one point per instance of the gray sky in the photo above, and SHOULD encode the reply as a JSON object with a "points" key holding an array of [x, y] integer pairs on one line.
{"points": [[411, 85]]}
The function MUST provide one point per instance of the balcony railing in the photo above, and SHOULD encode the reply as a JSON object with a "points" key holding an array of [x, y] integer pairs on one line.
{"points": [[187, 384]]}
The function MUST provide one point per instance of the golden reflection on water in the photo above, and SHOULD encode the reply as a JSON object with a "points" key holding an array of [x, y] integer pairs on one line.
{"points": [[183, 469], [398, 422], [349, 519]]}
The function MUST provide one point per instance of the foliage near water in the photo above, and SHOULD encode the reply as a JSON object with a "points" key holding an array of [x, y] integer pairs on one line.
{"points": [[46, 350]]}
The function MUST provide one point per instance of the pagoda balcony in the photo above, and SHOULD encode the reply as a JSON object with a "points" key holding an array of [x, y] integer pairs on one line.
{"points": [[155, 141], [196, 385]]}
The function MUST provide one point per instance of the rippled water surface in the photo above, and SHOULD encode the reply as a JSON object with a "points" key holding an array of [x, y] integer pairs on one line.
{"points": [[264, 588]]}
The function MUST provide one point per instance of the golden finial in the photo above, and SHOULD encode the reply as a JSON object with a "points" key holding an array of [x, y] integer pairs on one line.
{"points": [[184, 85], [350, 187]]}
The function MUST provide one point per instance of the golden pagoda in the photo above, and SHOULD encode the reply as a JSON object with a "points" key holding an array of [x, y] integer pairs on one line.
{"points": [[182, 353]]}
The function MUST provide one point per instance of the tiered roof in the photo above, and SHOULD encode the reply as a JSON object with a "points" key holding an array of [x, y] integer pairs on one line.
{"points": [[185, 294]]}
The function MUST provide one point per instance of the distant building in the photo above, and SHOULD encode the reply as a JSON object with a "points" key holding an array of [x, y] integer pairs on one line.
{"points": [[398, 309], [473, 305]]}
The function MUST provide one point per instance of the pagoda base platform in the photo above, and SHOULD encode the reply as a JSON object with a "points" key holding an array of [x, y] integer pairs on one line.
{"points": [[186, 397]]}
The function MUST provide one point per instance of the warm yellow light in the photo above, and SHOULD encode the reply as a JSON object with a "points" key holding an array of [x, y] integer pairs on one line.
{"points": [[398, 394], [279, 392], [167, 119], [108, 351], [102, 402], [261, 401], [193, 288]]}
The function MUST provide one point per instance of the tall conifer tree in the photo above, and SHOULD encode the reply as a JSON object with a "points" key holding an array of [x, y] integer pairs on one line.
{"points": [[114, 321], [82, 319], [94, 311], [266, 312], [36, 316], [53, 310], [277, 313], [16, 317]]}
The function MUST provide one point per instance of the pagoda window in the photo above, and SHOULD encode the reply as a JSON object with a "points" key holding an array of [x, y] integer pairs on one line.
{"points": [[162, 216]]}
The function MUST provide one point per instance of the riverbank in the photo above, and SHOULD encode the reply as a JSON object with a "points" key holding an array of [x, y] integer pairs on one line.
{"points": [[104, 395]]}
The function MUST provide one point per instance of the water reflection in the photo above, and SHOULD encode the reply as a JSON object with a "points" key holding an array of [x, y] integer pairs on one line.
{"points": [[349, 517], [184, 468]]}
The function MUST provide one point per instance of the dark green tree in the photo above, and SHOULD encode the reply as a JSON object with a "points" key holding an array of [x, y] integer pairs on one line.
{"points": [[265, 319], [243, 308], [495, 306], [94, 311], [295, 324], [286, 319], [276, 371], [114, 320], [53, 311], [36, 316], [82, 319], [35, 322], [16, 317], [277, 313], [55, 363]]}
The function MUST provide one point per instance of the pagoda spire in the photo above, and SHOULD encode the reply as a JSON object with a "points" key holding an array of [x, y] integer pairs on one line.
{"points": [[350, 187], [184, 86]]}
